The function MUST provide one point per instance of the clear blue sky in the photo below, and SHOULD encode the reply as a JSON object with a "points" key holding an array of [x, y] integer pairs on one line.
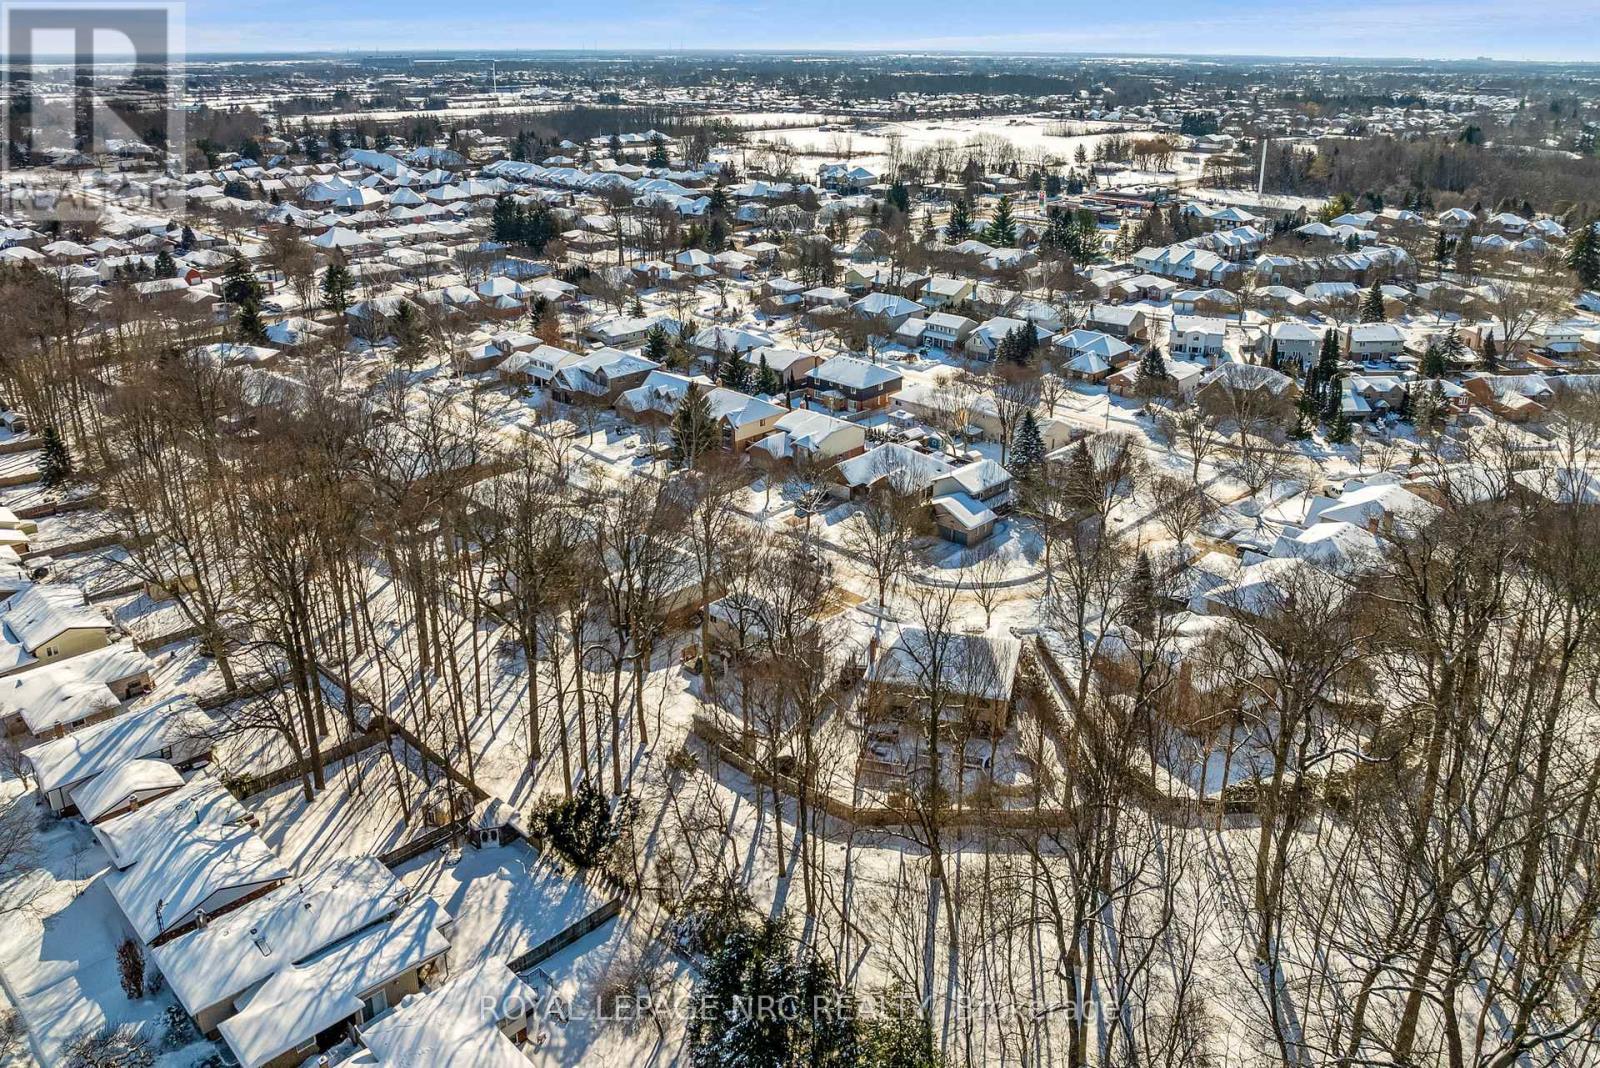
{"points": [[1452, 29]]}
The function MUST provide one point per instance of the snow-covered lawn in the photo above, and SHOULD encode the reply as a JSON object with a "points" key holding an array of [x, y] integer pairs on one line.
{"points": [[505, 899], [362, 813]]}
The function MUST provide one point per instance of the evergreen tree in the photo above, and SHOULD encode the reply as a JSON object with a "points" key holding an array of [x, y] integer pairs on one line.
{"points": [[1018, 345], [1333, 401], [249, 326], [755, 962], [1340, 434], [1584, 256], [735, 373], [1432, 365], [1427, 410], [1141, 595], [336, 288], [239, 284], [899, 196], [694, 432], [767, 380], [1372, 307], [165, 267], [1465, 261], [1328, 359], [1452, 349], [656, 345], [899, 1039], [1026, 456], [407, 336], [585, 829], [1152, 374], [1002, 229], [1491, 353], [658, 152], [959, 228], [55, 462], [1442, 250]]}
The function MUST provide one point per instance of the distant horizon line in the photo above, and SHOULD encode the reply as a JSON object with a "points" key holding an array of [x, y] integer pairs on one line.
{"points": [[488, 52]]}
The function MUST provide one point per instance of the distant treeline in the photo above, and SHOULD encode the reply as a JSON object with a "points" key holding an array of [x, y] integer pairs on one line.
{"points": [[1448, 172]]}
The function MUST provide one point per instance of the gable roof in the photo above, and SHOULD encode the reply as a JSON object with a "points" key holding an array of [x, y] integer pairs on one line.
{"points": [[302, 1000], [455, 1026], [44, 612], [969, 665], [296, 921], [849, 372], [182, 851], [64, 762]]}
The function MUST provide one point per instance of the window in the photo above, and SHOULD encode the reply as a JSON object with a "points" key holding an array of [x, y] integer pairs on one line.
{"points": [[374, 1005]]}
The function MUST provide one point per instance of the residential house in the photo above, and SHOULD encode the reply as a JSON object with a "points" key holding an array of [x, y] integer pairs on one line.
{"points": [[303, 1010], [942, 291], [49, 622], [853, 384], [1121, 322], [790, 365], [826, 297], [1231, 391], [1374, 342], [972, 676], [1514, 398], [599, 378], [1183, 379], [984, 341], [629, 331], [212, 970], [743, 418], [968, 500], [716, 342], [1090, 356], [1296, 343], [812, 438], [125, 788], [60, 697], [946, 331], [886, 308], [475, 1019], [185, 859], [1196, 337]]}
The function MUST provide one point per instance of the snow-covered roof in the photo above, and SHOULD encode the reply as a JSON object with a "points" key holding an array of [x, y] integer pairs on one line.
{"points": [[301, 1001], [1364, 505], [1341, 547], [969, 665], [65, 762], [136, 778], [40, 613], [810, 429], [450, 1027], [963, 510], [1094, 343], [848, 372], [906, 468], [185, 853], [296, 921]]}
